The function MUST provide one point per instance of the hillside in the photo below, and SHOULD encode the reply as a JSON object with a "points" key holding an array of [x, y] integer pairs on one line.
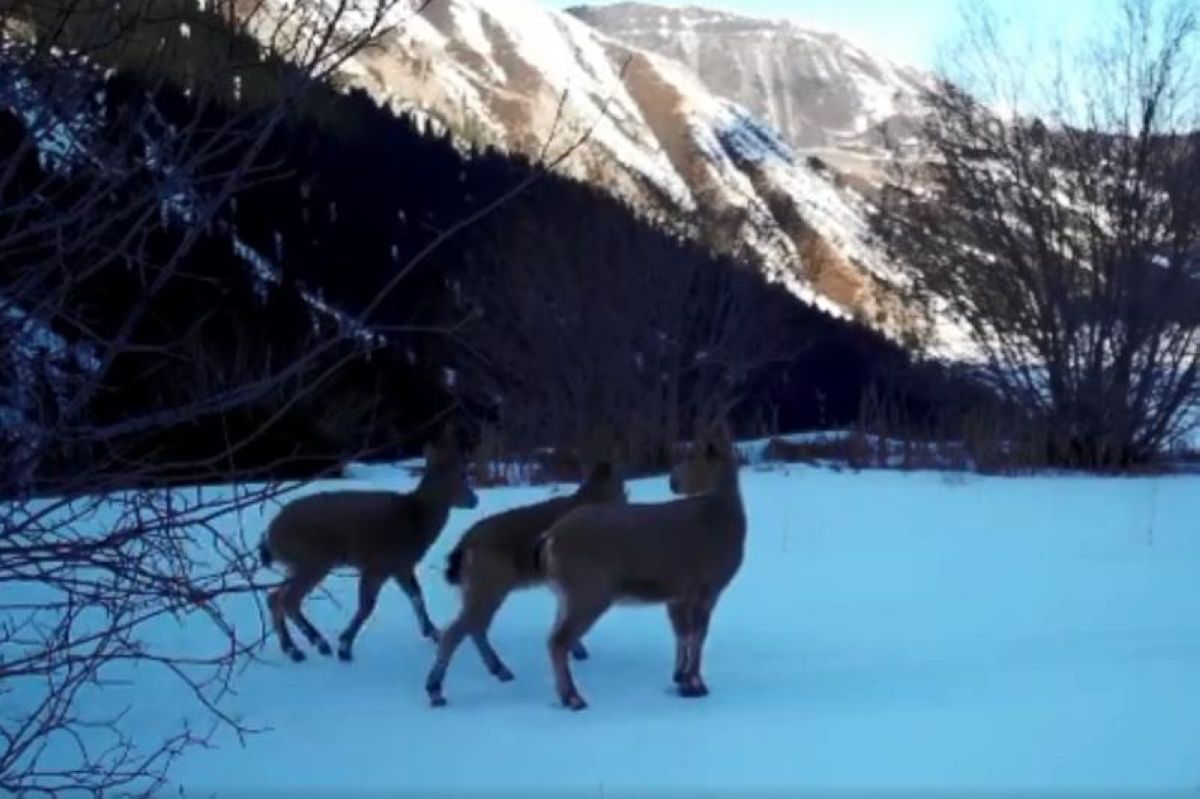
{"points": [[663, 141], [816, 88], [352, 194]]}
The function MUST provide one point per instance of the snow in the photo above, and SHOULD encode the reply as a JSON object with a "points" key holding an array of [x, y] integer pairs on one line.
{"points": [[471, 82], [731, 138], [59, 114], [469, 26], [34, 356], [761, 55], [267, 274], [572, 57], [890, 632], [39, 349]]}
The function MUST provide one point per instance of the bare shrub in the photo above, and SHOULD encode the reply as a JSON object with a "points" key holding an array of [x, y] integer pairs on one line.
{"points": [[97, 560], [1059, 224]]}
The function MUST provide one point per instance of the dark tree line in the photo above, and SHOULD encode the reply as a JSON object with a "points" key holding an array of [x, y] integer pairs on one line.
{"points": [[558, 302], [351, 195]]}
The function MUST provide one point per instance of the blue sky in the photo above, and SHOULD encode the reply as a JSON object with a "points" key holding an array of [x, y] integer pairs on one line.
{"points": [[909, 31]]}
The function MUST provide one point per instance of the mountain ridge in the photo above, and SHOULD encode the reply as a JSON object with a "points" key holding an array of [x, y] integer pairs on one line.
{"points": [[660, 140], [817, 87]]}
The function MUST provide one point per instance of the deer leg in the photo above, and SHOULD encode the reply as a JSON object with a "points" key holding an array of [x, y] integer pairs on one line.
{"points": [[678, 614], [301, 586], [449, 642], [369, 583], [574, 619], [275, 602], [481, 599], [408, 582], [700, 613], [474, 618], [490, 659]]}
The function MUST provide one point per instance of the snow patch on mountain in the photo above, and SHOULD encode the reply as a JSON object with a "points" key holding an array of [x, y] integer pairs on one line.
{"points": [[59, 115], [39, 372], [500, 73], [817, 87]]}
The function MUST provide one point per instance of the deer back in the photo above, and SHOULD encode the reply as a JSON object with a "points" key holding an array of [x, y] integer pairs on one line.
{"points": [[374, 528], [510, 539], [652, 551], [339, 528]]}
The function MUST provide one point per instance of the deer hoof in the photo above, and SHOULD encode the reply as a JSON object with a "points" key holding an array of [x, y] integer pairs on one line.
{"points": [[693, 690], [678, 678], [574, 702], [579, 652], [324, 648], [503, 674], [437, 701], [345, 655], [295, 654]]}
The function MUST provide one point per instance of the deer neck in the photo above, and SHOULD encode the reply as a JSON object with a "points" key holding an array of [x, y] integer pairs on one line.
{"points": [[726, 495], [432, 506], [728, 483]]}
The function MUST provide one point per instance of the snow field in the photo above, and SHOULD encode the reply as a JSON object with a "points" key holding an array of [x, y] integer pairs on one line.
{"points": [[888, 632]]}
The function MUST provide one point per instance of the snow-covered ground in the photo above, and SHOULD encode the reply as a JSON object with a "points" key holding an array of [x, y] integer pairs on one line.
{"points": [[891, 632]]}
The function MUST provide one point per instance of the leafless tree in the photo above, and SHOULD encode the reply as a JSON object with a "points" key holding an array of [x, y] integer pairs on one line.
{"points": [[1050, 208], [596, 328], [98, 560], [91, 576]]}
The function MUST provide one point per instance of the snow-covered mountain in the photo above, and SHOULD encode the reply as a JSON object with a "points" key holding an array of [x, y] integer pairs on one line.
{"points": [[662, 140], [822, 92], [815, 87]]}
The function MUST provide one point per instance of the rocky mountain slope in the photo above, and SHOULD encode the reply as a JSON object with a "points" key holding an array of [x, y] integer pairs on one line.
{"points": [[662, 140], [822, 92], [816, 88]]}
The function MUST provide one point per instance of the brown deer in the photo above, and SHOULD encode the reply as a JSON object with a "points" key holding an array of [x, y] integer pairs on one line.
{"points": [[681, 553], [382, 534], [497, 556]]}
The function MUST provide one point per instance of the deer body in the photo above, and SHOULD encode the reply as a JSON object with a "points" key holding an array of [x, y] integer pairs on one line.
{"points": [[381, 534], [319, 527], [681, 554], [499, 555]]}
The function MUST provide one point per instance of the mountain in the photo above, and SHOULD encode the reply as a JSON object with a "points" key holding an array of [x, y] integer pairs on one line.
{"points": [[822, 92], [815, 87], [531, 80], [562, 287]]}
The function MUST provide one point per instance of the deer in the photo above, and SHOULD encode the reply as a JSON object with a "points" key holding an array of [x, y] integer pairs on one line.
{"points": [[682, 553], [498, 555], [381, 534]]}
